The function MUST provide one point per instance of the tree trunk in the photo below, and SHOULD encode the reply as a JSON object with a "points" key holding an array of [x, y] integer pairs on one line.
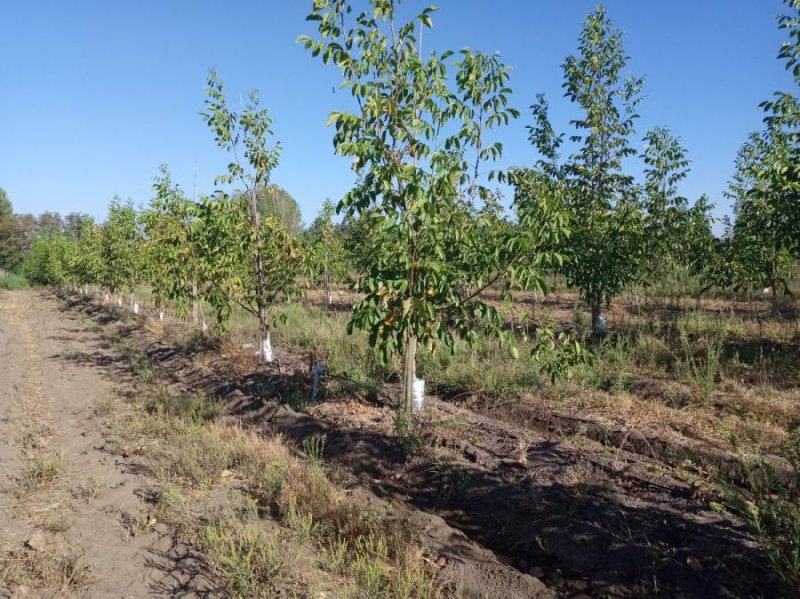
{"points": [[194, 304], [409, 373], [328, 296], [774, 289], [265, 339], [595, 305]]}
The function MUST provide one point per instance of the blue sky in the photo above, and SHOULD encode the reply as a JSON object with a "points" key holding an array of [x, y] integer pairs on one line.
{"points": [[94, 95]]}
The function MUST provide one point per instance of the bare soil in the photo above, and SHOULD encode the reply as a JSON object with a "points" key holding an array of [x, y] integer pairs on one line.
{"points": [[80, 528], [543, 500]]}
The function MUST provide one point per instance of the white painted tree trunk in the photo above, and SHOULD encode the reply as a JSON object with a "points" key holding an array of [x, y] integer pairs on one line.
{"points": [[266, 348], [418, 395]]}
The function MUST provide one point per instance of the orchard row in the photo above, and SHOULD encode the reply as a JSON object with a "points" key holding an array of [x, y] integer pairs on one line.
{"points": [[424, 230]]}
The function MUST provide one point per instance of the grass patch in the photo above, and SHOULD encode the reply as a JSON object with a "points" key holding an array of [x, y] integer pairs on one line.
{"points": [[11, 281], [195, 408], [197, 459], [55, 569], [42, 470], [90, 489], [140, 364], [612, 368], [250, 562], [773, 511], [700, 368]]}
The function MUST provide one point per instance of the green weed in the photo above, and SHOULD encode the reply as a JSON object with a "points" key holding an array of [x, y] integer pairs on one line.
{"points": [[11, 281], [704, 370]]}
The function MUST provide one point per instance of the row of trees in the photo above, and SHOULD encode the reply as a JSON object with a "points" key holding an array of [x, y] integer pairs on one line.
{"points": [[424, 231], [18, 231], [762, 243]]}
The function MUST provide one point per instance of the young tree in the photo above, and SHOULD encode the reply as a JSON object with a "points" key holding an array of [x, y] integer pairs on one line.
{"points": [[666, 211], [760, 252], [45, 264], [121, 249], [698, 244], [252, 259], [758, 248], [781, 177], [418, 148], [16, 237], [87, 266], [172, 228], [604, 251], [357, 244], [326, 255], [6, 209]]}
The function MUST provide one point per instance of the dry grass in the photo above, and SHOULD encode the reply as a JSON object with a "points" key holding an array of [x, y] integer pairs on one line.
{"points": [[89, 489], [42, 469], [52, 567], [154, 327], [695, 369], [268, 522]]}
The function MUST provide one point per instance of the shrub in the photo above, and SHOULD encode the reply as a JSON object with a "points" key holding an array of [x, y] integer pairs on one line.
{"points": [[10, 281]]}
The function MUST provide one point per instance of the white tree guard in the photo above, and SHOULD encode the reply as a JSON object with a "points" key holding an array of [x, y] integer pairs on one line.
{"points": [[266, 349], [418, 395]]}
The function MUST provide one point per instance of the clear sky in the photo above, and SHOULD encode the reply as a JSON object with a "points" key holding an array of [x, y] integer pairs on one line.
{"points": [[95, 94]]}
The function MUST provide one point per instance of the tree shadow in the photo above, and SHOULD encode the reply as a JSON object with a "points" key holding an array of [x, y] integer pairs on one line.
{"points": [[181, 571]]}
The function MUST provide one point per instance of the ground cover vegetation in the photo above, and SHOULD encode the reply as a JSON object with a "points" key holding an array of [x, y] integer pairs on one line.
{"points": [[589, 293]]}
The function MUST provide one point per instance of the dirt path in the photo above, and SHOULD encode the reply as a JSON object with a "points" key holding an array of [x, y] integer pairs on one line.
{"points": [[73, 522]]}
